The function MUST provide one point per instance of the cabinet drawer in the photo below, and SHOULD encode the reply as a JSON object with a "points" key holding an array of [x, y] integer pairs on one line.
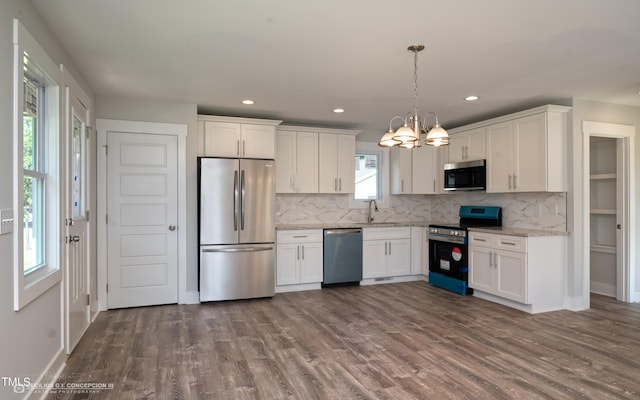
{"points": [[299, 236], [498, 242], [482, 240], [386, 233], [512, 243]]}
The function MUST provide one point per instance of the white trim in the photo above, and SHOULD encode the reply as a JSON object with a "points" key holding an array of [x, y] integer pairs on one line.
{"points": [[627, 134], [192, 297], [26, 288], [295, 128], [46, 379], [180, 131], [383, 169], [239, 120]]}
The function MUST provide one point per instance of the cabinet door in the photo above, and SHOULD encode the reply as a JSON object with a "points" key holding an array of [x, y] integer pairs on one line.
{"points": [[481, 272], [310, 262], [399, 257], [500, 157], [476, 147], [306, 176], [287, 264], [400, 163], [257, 141], [285, 161], [423, 170], [511, 275], [457, 147], [530, 166], [374, 258], [346, 152], [221, 139], [328, 161]]}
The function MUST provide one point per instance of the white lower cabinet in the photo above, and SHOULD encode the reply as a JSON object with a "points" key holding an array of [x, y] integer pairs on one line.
{"points": [[299, 257], [499, 272], [386, 252], [528, 272]]}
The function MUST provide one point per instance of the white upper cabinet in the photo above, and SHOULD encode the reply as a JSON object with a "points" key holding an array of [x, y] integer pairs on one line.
{"points": [[528, 154], [424, 164], [413, 171], [400, 170], [467, 145], [337, 163], [297, 161], [236, 137], [525, 151]]}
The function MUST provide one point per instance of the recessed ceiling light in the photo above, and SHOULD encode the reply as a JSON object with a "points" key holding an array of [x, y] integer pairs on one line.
{"points": [[338, 110], [471, 98], [248, 102]]}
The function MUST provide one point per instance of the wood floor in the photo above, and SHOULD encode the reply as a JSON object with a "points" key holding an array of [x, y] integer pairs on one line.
{"points": [[392, 341]]}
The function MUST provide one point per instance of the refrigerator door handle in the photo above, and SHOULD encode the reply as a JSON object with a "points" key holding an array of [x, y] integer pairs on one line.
{"points": [[239, 250], [242, 200], [235, 200]]}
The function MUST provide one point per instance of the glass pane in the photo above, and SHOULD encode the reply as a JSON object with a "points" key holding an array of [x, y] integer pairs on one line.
{"points": [[28, 142], [366, 177], [77, 168], [33, 244]]}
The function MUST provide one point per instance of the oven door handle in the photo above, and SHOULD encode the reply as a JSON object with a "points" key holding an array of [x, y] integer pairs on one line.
{"points": [[447, 238]]}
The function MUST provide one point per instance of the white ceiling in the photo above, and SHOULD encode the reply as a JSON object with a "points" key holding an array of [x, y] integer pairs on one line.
{"points": [[301, 59]]}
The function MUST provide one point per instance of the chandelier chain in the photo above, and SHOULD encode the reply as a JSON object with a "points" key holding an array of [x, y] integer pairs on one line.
{"points": [[415, 83]]}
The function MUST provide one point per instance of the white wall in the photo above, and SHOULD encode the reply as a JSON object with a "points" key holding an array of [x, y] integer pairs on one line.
{"points": [[31, 339], [168, 112]]}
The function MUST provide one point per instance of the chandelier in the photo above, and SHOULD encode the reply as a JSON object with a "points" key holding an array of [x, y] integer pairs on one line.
{"points": [[409, 135]]}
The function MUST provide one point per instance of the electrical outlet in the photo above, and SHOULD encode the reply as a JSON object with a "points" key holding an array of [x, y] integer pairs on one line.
{"points": [[331, 207], [554, 209], [538, 211], [6, 221]]}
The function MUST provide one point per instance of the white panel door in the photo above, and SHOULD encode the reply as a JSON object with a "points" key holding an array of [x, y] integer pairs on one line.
{"points": [[77, 243], [142, 215]]}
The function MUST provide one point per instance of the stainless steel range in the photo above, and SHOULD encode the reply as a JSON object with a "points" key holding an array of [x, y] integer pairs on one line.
{"points": [[448, 247]]}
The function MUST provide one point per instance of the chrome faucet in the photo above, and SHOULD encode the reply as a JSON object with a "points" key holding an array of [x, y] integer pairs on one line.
{"points": [[370, 217]]}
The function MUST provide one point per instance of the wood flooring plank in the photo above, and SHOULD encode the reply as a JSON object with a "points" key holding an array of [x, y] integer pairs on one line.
{"points": [[392, 341]]}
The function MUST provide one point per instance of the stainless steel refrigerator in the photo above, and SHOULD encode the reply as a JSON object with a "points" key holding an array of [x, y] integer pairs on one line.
{"points": [[237, 228]]}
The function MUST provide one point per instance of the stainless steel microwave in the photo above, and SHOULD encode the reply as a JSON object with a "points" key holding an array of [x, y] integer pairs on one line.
{"points": [[466, 175]]}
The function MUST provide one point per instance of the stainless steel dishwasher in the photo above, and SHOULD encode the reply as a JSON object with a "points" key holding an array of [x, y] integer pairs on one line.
{"points": [[342, 254]]}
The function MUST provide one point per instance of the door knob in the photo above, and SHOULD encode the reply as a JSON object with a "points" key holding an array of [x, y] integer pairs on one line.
{"points": [[172, 228], [71, 239]]}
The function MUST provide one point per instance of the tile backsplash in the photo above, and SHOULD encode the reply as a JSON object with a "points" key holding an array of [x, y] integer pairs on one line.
{"points": [[546, 211]]}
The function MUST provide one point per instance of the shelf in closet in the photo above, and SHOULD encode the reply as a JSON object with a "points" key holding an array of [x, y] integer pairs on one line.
{"points": [[603, 211], [595, 177], [603, 248]]}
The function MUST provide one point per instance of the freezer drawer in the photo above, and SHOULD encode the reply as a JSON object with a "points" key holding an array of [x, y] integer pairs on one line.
{"points": [[237, 272]]}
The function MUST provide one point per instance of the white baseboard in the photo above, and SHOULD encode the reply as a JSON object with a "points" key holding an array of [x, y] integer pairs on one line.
{"points": [[605, 289], [394, 279], [297, 288], [40, 389]]}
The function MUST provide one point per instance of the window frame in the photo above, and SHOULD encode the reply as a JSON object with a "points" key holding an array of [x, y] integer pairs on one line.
{"points": [[28, 285], [383, 176]]}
